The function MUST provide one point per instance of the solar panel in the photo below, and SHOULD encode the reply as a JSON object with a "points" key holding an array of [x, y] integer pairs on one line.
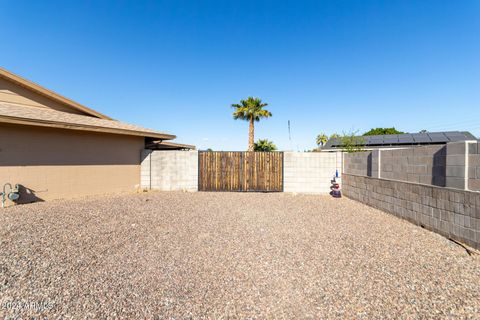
{"points": [[373, 140], [438, 137], [454, 134], [405, 138], [393, 138], [456, 138], [336, 142], [421, 137]]}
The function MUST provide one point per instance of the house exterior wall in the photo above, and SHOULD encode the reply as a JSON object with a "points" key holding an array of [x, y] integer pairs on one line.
{"points": [[14, 93], [56, 163]]}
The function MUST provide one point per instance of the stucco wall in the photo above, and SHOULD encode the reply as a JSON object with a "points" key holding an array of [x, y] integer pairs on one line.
{"points": [[56, 163], [310, 172], [169, 170]]}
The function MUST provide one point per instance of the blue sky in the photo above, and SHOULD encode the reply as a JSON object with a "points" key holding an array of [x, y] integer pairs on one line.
{"points": [[327, 66]]}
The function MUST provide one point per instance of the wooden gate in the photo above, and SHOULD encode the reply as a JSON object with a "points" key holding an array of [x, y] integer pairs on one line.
{"points": [[240, 171]]}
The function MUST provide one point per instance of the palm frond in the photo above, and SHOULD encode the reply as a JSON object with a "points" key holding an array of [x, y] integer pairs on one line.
{"points": [[264, 145], [250, 108]]}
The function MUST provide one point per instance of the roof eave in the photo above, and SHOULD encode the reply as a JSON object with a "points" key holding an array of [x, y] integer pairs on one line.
{"points": [[70, 126], [171, 144]]}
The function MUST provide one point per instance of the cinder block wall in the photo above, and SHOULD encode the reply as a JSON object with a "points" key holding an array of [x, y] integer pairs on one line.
{"points": [[310, 172], [358, 163], [456, 172], [424, 165], [169, 170], [474, 166], [449, 212]]}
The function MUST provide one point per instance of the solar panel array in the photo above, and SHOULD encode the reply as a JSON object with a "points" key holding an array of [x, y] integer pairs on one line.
{"points": [[407, 139]]}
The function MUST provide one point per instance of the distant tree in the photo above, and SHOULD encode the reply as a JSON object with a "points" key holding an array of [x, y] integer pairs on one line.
{"points": [[351, 142], [264, 145], [321, 139], [334, 136], [251, 110], [423, 131], [209, 150], [380, 131]]}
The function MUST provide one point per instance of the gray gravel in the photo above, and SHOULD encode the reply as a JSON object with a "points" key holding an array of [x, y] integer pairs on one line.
{"points": [[228, 255]]}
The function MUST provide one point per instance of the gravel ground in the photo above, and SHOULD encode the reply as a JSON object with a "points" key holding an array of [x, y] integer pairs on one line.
{"points": [[228, 255]]}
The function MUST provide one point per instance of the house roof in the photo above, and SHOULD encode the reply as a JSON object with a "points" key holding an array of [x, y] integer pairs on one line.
{"points": [[20, 114], [49, 94], [405, 139], [169, 145]]}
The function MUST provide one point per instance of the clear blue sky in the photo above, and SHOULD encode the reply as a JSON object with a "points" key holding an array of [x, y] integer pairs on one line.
{"points": [[327, 66]]}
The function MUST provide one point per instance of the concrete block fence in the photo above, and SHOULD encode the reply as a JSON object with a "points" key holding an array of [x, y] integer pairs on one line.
{"points": [[450, 212], [169, 170], [425, 165], [358, 163], [455, 165], [474, 166], [304, 172], [310, 172]]}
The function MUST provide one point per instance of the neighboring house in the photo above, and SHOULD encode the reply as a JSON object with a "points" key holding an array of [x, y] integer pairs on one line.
{"points": [[390, 141], [55, 148]]}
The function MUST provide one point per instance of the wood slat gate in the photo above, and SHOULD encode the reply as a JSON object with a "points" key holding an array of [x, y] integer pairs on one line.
{"points": [[240, 171]]}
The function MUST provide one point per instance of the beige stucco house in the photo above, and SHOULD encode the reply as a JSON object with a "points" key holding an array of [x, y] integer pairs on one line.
{"points": [[55, 148]]}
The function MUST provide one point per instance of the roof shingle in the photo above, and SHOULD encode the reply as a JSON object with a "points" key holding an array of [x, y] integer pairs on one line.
{"points": [[51, 118]]}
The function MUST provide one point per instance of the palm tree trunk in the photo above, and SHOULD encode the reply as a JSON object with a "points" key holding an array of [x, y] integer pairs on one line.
{"points": [[251, 135]]}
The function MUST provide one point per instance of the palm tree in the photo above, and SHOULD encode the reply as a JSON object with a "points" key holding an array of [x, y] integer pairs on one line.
{"points": [[264, 145], [322, 139], [250, 110]]}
